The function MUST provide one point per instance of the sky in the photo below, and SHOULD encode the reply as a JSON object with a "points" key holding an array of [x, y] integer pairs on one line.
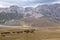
{"points": [[6, 3]]}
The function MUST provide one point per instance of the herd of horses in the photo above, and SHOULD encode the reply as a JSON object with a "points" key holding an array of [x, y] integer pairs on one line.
{"points": [[17, 32]]}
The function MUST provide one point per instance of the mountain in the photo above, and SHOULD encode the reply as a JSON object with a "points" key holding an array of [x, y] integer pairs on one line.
{"points": [[15, 12], [40, 22], [34, 22], [52, 11]]}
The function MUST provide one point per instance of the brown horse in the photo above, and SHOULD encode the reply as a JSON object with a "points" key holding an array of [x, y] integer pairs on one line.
{"points": [[32, 30], [29, 31], [26, 31], [19, 31], [5, 33]]}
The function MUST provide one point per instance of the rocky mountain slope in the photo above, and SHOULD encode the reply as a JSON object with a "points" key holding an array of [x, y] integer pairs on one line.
{"points": [[13, 12], [40, 22], [51, 11], [31, 15], [34, 22]]}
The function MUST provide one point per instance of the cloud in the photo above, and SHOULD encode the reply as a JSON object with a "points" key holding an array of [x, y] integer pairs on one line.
{"points": [[16, 2], [56, 1], [6, 3]]}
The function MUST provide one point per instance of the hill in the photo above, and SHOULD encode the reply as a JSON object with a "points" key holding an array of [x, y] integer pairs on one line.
{"points": [[35, 22]]}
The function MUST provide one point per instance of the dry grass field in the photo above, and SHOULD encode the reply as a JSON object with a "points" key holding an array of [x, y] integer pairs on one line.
{"points": [[37, 35]]}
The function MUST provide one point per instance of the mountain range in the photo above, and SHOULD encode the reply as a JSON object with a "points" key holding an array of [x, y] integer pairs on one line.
{"points": [[49, 14], [51, 10]]}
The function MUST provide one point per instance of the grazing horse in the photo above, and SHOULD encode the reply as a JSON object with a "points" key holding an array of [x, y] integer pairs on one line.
{"points": [[13, 32], [29, 31], [19, 31], [32, 30], [26, 31], [5, 33]]}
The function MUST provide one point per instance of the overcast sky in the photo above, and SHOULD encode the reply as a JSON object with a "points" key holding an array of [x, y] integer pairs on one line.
{"points": [[5, 3]]}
